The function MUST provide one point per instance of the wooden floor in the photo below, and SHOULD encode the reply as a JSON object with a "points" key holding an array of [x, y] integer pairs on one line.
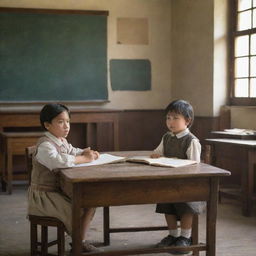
{"points": [[236, 235]]}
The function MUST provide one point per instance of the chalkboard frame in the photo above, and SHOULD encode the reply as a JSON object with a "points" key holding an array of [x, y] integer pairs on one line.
{"points": [[54, 11]]}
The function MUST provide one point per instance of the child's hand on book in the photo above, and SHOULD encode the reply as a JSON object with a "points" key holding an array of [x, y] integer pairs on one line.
{"points": [[91, 154], [154, 155]]}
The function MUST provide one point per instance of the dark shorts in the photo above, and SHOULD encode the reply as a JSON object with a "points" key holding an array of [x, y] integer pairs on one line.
{"points": [[180, 209]]}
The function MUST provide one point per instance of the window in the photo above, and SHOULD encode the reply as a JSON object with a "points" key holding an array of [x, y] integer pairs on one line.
{"points": [[243, 52]]}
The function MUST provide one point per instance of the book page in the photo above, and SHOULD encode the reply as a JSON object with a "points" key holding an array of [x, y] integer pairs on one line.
{"points": [[162, 161], [103, 159]]}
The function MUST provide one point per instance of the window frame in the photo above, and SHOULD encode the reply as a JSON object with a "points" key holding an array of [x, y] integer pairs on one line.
{"points": [[233, 17]]}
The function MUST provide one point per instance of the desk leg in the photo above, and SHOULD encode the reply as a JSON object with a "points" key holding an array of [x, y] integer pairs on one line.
{"points": [[248, 184], [9, 170], [211, 217], [106, 225], [76, 222], [3, 171]]}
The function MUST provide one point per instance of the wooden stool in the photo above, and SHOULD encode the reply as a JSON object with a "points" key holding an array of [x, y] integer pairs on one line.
{"points": [[46, 222], [14, 143]]}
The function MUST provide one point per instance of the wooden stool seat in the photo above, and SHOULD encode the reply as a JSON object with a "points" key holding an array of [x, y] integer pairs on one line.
{"points": [[46, 222]]}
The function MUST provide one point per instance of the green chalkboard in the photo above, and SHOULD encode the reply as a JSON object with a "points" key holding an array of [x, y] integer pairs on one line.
{"points": [[51, 55], [130, 74]]}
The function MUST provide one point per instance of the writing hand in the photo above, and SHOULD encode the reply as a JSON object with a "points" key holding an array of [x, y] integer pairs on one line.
{"points": [[89, 154]]}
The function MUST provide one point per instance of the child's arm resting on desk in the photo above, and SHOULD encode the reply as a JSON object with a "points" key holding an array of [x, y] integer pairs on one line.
{"points": [[48, 156]]}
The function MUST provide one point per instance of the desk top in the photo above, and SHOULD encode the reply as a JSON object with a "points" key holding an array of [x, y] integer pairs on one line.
{"points": [[233, 135], [248, 143], [137, 171]]}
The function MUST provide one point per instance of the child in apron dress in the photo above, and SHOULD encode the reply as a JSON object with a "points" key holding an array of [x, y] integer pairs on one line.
{"points": [[52, 153]]}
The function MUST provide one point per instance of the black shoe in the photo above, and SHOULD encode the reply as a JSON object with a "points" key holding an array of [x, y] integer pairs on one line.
{"points": [[182, 241], [167, 241]]}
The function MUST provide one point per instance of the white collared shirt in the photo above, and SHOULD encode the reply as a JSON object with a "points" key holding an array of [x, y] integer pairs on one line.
{"points": [[48, 155], [193, 151]]}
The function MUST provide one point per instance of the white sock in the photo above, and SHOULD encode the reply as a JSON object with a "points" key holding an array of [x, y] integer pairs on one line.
{"points": [[174, 232], [186, 232]]}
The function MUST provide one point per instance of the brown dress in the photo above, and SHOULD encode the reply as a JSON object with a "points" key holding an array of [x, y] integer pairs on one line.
{"points": [[44, 195]]}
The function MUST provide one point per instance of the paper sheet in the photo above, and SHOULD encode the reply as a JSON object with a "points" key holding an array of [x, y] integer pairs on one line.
{"points": [[103, 159]]}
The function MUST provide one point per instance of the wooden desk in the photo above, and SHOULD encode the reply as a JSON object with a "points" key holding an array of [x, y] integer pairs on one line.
{"points": [[94, 134], [91, 117], [14, 143], [130, 183], [247, 174], [230, 135]]}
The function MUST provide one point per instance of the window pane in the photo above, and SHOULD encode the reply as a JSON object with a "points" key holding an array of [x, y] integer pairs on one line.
{"points": [[254, 3], [244, 4], [241, 88], [242, 46], [244, 20], [253, 87], [254, 19], [253, 66], [253, 44], [241, 67]]}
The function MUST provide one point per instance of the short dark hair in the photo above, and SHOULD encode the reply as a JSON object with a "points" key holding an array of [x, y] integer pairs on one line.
{"points": [[50, 111], [183, 108]]}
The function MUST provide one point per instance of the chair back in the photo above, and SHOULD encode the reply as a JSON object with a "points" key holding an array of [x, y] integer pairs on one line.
{"points": [[29, 153]]}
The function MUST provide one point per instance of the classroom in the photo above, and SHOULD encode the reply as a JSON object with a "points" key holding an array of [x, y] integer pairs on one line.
{"points": [[116, 65]]}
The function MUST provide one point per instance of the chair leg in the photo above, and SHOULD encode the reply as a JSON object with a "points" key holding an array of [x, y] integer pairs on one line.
{"points": [[44, 240], [33, 239], [61, 241], [219, 197], [195, 232], [106, 225]]}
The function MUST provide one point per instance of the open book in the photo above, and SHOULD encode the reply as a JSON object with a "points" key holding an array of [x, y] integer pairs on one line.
{"points": [[104, 159], [161, 161]]}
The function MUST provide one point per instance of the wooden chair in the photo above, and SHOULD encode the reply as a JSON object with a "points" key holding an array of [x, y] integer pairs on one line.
{"points": [[44, 222], [13, 144], [231, 191], [35, 220]]}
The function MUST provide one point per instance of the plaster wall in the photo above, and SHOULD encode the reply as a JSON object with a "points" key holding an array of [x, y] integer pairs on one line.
{"points": [[243, 117], [192, 53], [220, 69]]}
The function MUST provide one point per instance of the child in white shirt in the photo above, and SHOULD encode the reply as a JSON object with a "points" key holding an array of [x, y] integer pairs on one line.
{"points": [[181, 143]]}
